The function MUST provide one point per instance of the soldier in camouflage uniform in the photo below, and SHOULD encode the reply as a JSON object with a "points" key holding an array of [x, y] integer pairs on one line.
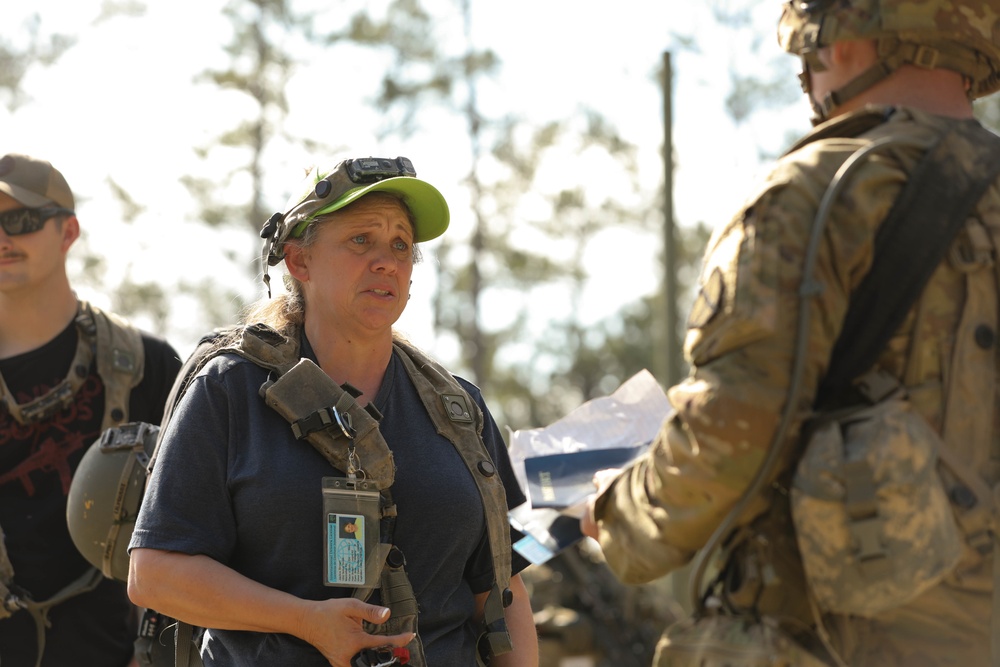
{"points": [[902, 70]]}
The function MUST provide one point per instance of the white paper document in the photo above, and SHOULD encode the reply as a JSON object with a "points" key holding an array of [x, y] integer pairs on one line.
{"points": [[556, 464]]}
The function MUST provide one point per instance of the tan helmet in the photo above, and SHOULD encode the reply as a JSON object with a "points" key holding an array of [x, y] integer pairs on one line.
{"points": [[105, 495], [960, 35]]}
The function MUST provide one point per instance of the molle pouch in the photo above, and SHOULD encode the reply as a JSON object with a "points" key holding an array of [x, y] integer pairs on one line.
{"points": [[326, 415], [351, 533], [717, 640], [872, 519]]}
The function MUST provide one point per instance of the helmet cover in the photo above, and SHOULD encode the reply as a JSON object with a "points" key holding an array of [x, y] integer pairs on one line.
{"points": [[961, 35]]}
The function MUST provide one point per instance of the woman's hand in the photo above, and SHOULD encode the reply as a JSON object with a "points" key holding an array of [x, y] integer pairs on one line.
{"points": [[203, 592], [334, 628]]}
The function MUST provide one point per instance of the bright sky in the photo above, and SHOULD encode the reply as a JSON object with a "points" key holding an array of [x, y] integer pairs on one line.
{"points": [[121, 105]]}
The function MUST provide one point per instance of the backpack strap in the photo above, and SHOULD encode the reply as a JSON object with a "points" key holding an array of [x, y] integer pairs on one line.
{"points": [[328, 417], [909, 245], [850, 125], [460, 420], [120, 362], [120, 359]]}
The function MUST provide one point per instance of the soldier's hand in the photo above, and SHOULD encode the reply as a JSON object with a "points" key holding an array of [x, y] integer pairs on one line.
{"points": [[602, 480]]}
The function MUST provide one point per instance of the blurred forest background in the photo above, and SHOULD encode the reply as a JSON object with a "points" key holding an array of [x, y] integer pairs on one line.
{"points": [[550, 287]]}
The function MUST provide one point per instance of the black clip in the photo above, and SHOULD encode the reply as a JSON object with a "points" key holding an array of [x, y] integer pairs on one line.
{"points": [[271, 226]]}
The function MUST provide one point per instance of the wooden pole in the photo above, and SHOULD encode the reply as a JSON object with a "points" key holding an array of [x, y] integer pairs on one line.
{"points": [[672, 344]]}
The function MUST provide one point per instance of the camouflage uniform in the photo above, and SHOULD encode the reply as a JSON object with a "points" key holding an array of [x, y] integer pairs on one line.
{"points": [[740, 343]]}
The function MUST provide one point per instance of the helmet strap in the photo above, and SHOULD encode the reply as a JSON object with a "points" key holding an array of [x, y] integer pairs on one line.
{"points": [[835, 98], [893, 53]]}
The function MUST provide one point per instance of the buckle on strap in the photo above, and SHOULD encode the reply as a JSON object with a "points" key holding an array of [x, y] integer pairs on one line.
{"points": [[322, 419], [926, 57]]}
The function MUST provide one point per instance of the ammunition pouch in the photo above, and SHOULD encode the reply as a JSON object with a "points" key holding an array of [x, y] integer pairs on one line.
{"points": [[872, 519], [762, 571], [326, 415]]}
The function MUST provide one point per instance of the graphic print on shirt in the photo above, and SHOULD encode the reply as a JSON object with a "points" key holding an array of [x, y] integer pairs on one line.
{"points": [[44, 453]]}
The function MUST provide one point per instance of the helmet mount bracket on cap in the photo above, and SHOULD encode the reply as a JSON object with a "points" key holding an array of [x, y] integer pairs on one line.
{"points": [[330, 191]]}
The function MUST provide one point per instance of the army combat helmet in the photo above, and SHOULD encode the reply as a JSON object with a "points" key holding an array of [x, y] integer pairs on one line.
{"points": [[331, 190], [105, 495], [959, 35]]}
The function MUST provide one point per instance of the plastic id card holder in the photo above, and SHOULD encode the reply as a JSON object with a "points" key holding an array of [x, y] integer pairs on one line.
{"points": [[351, 531]]}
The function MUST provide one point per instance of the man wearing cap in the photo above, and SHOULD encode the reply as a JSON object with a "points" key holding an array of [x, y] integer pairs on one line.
{"points": [[238, 530], [67, 371]]}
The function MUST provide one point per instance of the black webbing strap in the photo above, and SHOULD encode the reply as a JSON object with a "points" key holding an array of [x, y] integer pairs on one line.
{"points": [[909, 245]]}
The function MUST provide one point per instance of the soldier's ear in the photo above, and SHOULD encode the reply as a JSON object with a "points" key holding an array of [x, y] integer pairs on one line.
{"points": [[857, 55], [70, 232]]}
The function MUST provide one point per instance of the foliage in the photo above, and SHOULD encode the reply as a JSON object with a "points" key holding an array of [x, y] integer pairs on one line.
{"points": [[16, 59], [506, 260], [259, 69], [37, 48]]}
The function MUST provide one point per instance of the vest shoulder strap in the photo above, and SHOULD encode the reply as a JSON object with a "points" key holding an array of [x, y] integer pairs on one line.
{"points": [[457, 417], [120, 360], [909, 244], [848, 126], [267, 347]]}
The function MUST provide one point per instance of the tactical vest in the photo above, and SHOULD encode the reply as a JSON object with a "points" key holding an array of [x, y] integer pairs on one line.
{"points": [[117, 346], [327, 416]]}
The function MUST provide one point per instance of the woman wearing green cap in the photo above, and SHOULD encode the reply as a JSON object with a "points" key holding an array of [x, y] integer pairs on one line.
{"points": [[238, 534]]}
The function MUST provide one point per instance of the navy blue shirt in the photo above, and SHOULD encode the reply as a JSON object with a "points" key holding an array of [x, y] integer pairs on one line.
{"points": [[231, 482]]}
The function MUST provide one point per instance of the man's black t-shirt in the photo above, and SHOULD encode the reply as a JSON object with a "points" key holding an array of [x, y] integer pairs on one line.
{"points": [[37, 462]]}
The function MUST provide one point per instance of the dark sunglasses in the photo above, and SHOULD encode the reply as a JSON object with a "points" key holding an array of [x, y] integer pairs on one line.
{"points": [[26, 220]]}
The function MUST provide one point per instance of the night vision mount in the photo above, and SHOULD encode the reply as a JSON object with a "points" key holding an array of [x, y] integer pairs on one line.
{"points": [[328, 194]]}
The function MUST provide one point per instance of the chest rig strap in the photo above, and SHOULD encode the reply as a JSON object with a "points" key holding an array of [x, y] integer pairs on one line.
{"points": [[460, 421], [120, 361]]}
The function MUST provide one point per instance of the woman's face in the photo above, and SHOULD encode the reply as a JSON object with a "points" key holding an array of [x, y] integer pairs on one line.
{"points": [[356, 274]]}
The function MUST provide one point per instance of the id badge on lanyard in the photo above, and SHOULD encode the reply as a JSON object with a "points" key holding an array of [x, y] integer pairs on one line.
{"points": [[351, 532]]}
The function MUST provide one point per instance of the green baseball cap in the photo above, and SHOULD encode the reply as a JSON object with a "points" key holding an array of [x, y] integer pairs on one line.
{"points": [[329, 191], [34, 183]]}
